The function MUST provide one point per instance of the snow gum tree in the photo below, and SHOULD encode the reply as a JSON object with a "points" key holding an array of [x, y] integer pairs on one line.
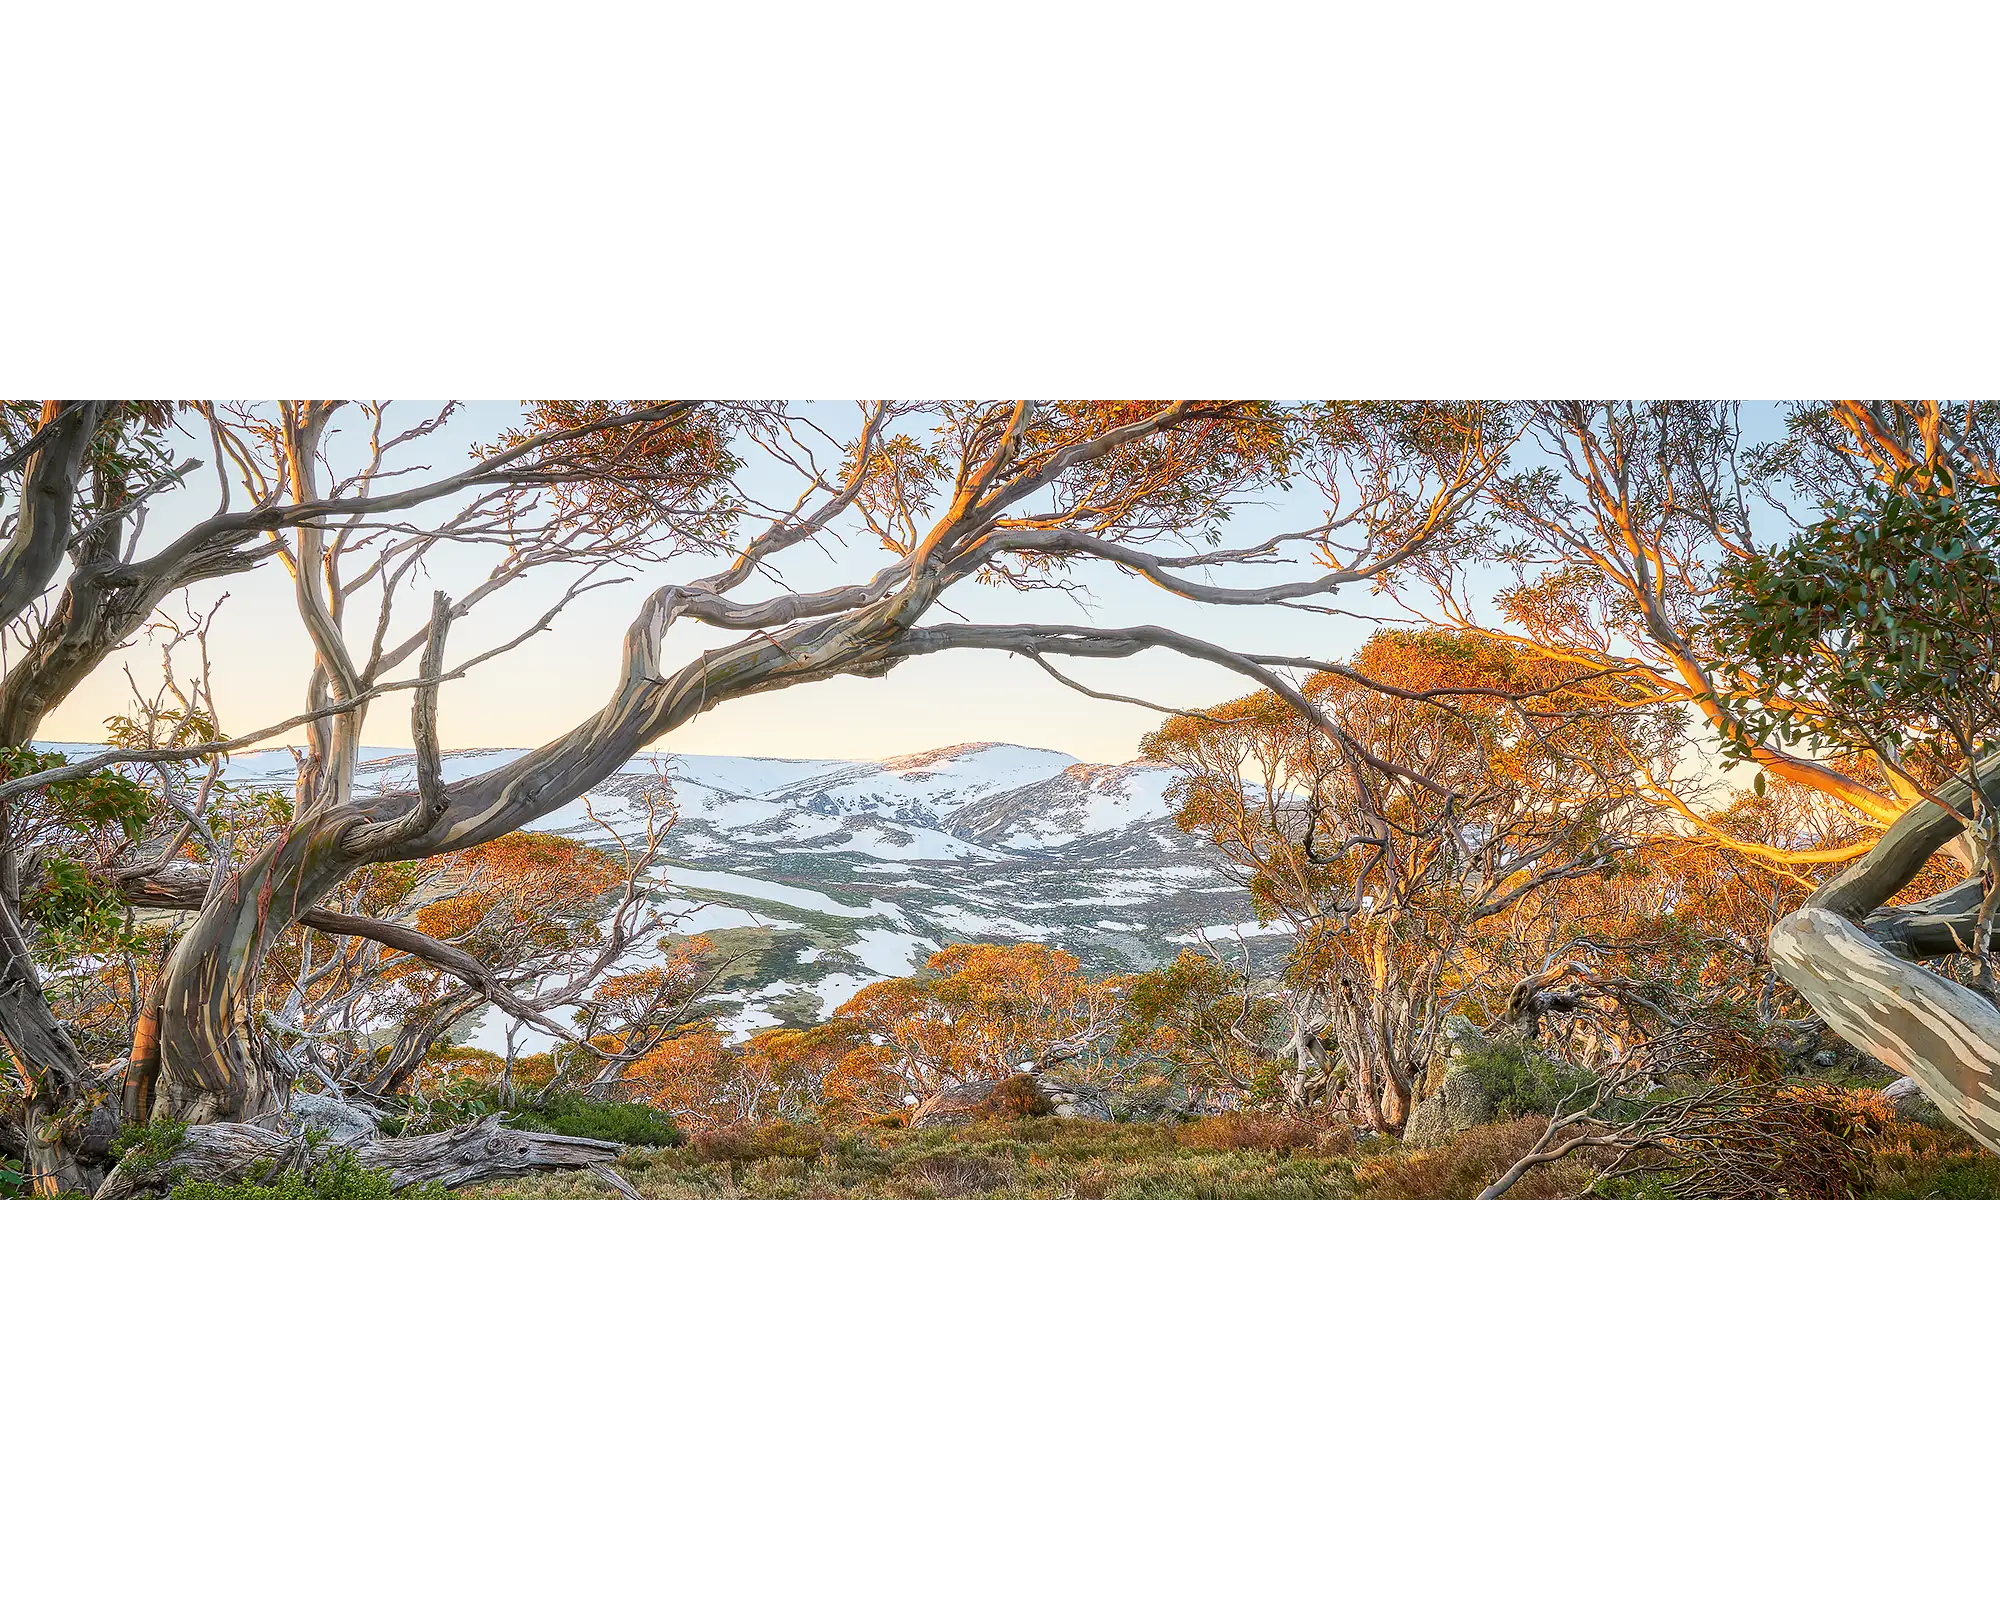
{"points": [[1444, 781], [1883, 619], [1023, 496]]}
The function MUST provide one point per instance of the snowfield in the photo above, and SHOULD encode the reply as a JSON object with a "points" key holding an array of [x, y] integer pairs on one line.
{"points": [[818, 878]]}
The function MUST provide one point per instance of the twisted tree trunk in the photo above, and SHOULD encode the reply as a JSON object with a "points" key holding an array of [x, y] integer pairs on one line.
{"points": [[1854, 959], [211, 1064], [1907, 1017]]}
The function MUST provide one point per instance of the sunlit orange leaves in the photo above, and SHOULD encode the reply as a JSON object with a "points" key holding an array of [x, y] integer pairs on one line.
{"points": [[973, 1011], [665, 480], [523, 892]]}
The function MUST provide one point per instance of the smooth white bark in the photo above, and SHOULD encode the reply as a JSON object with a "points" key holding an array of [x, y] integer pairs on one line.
{"points": [[1907, 1017]]}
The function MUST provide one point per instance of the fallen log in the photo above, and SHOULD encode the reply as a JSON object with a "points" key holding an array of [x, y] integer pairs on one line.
{"points": [[238, 1152]]}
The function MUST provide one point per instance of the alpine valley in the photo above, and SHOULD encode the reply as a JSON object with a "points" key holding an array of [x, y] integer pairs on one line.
{"points": [[817, 878]]}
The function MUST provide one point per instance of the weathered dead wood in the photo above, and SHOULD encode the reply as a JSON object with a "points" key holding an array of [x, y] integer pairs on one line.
{"points": [[217, 1152], [481, 1150], [237, 1152], [610, 1176]]}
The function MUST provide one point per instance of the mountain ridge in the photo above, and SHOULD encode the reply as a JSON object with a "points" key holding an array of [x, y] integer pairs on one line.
{"points": [[820, 876]]}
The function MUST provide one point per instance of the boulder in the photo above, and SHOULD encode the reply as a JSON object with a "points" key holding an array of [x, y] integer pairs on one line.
{"points": [[1462, 1036], [340, 1120], [1072, 1099], [1462, 1101]]}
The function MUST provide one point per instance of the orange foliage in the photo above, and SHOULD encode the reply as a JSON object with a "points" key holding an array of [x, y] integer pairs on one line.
{"points": [[687, 1077], [524, 892], [974, 1011]]}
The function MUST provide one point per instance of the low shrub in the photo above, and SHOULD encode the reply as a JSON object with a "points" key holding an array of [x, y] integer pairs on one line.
{"points": [[949, 1177], [1461, 1168], [761, 1141], [1017, 1097], [621, 1121], [1265, 1130], [145, 1147], [1521, 1079]]}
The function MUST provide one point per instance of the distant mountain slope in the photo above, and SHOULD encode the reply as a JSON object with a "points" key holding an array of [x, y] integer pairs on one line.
{"points": [[819, 877]]}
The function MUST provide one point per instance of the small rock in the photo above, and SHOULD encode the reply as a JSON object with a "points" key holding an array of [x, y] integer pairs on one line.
{"points": [[1907, 1099], [341, 1121]]}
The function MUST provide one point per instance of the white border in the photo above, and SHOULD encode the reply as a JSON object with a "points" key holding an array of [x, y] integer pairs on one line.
{"points": [[1747, 199]]}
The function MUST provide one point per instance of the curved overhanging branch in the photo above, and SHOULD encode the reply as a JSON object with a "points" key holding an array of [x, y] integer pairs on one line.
{"points": [[1114, 643], [48, 495], [474, 974], [1159, 570]]}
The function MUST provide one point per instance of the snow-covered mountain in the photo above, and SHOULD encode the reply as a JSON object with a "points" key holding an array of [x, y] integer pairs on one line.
{"points": [[821, 877]]}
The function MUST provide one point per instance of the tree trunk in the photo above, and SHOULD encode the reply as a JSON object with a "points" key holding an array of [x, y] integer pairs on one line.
{"points": [[1384, 1052], [1907, 1017], [212, 1067], [1844, 952], [53, 1069]]}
